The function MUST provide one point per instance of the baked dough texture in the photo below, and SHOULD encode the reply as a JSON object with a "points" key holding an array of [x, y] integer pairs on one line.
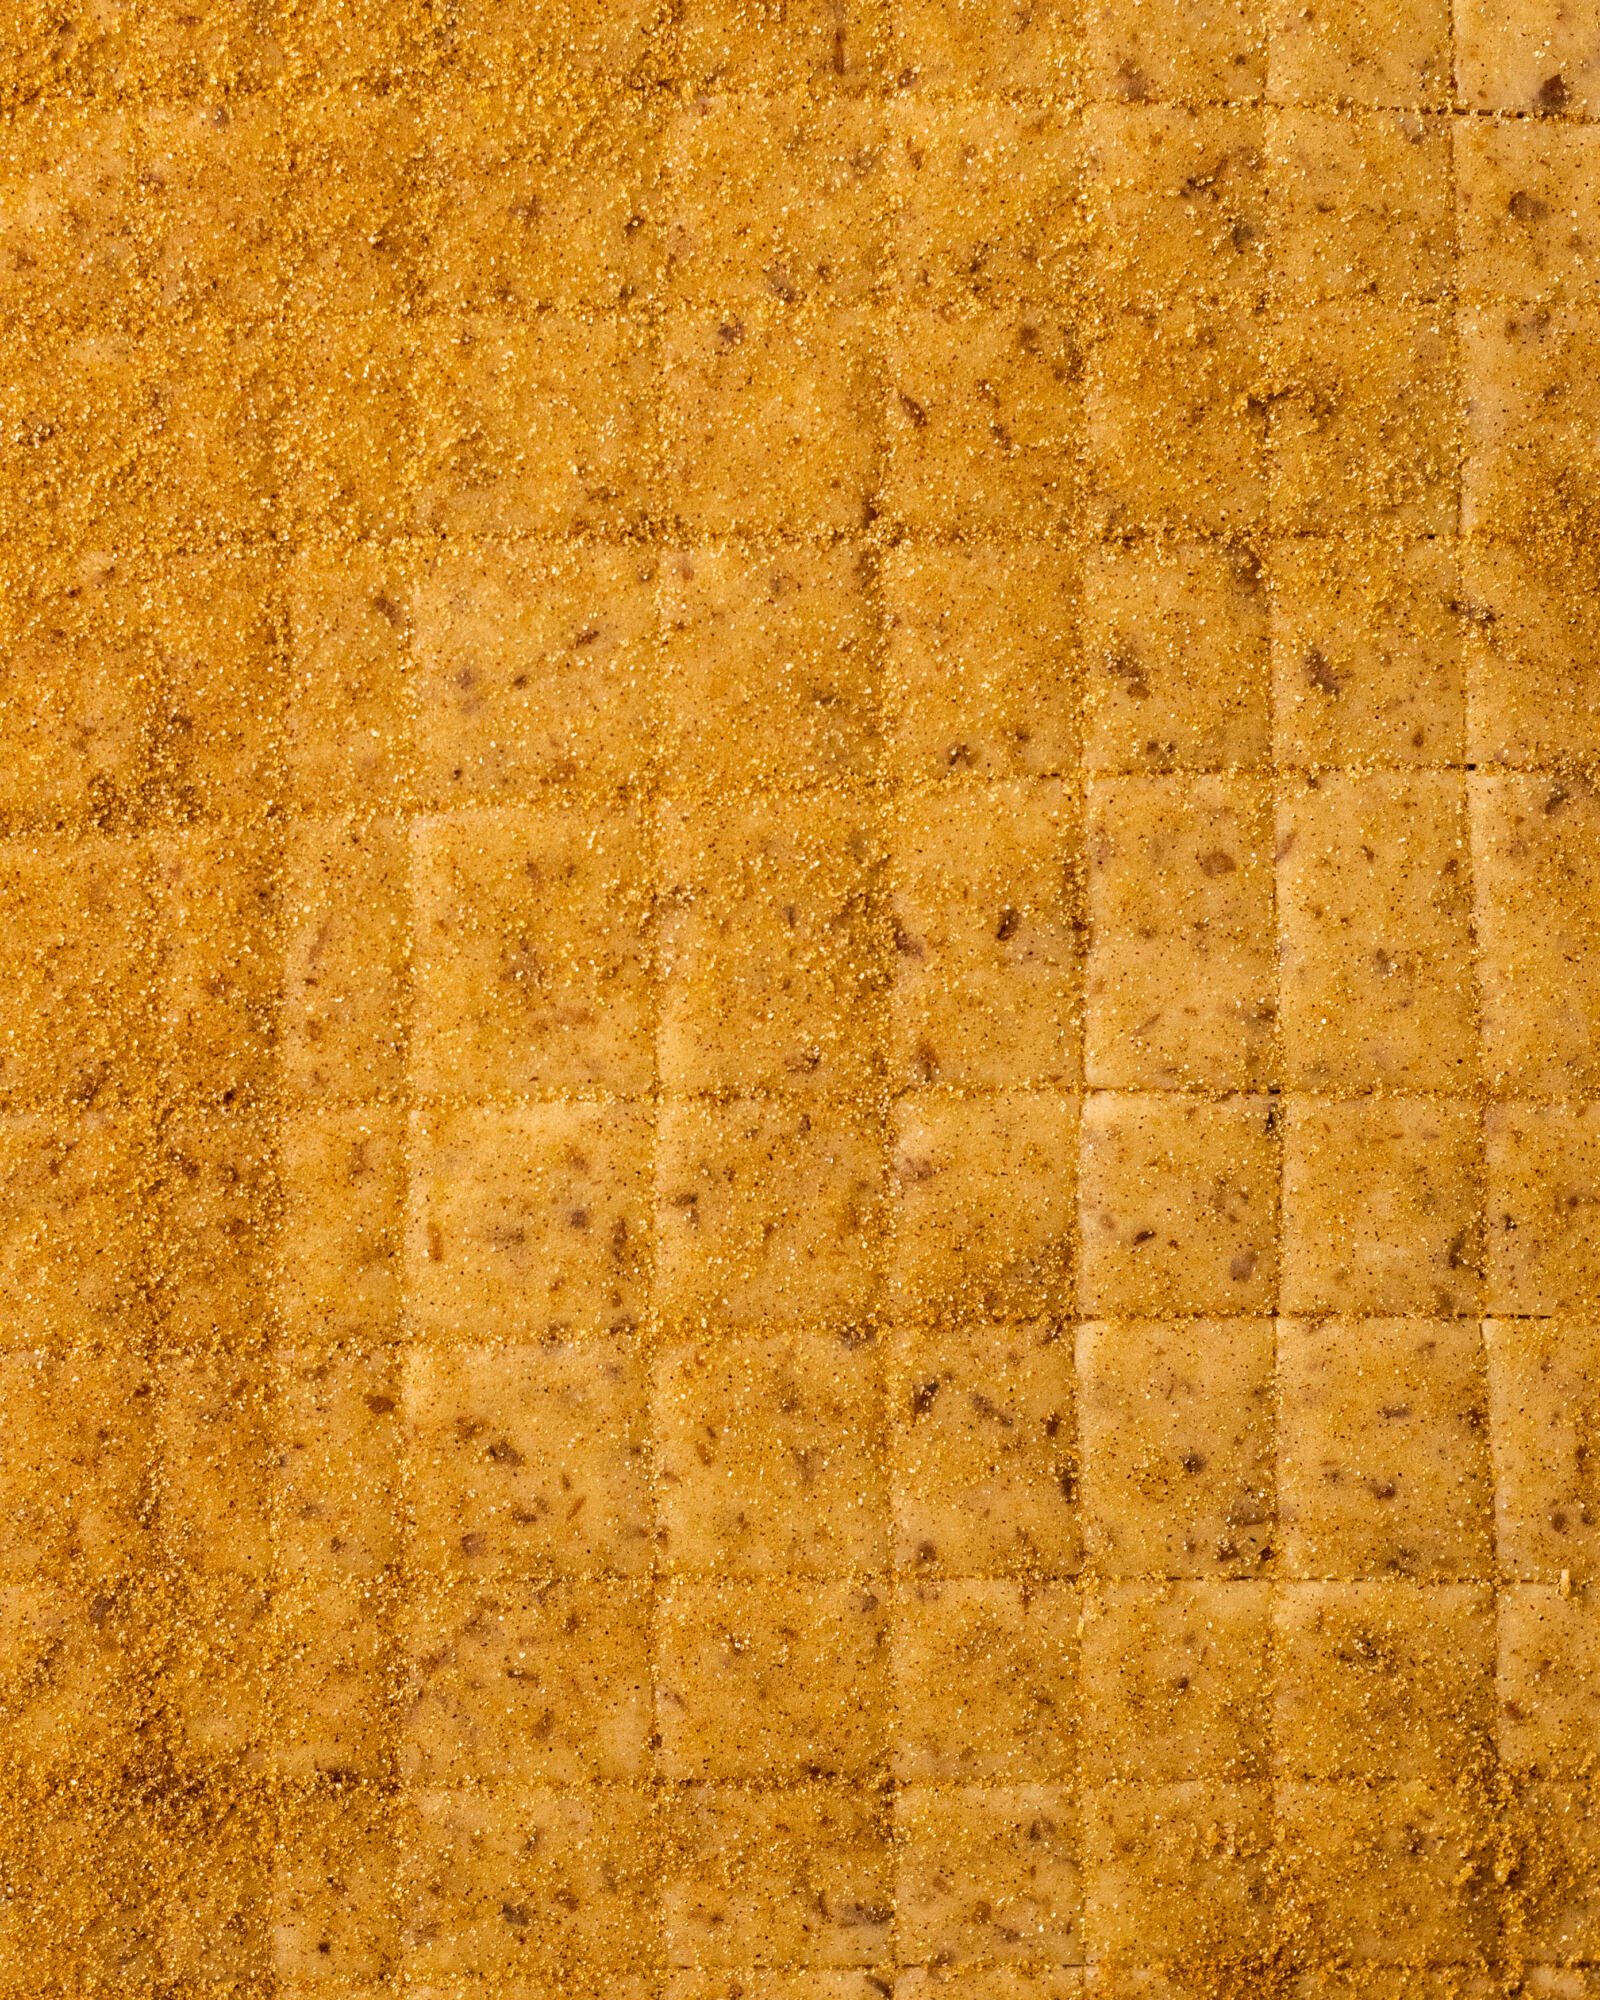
{"points": [[799, 1000]]}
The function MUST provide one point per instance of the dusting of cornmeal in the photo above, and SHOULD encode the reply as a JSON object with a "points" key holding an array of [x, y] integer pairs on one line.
{"points": [[799, 999]]}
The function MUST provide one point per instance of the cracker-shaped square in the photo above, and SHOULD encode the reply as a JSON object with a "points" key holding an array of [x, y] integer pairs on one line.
{"points": [[774, 946], [834, 47], [1544, 1412], [986, 1681], [1178, 1198], [1529, 201], [333, 1884], [345, 898], [79, 1467], [1177, 1871], [1530, 699], [1178, 200], [68, 194], [69, 1684], [219, 955], [72, 1256], [337, 1435], [1397, 55], [1362, 202], [1383, 1206], [768, 1456], [1374, 904], [1383, 1462], [981, 673], [213, 1429], [1381, 1680], [1175, 1428], [991, 1982], [527, 1884], [1364, 419], [526, 1684], [1532, 404], [983, 416], [766, 1213], [354, 217], [334, 1681], [757, 1878], [985, 48], [988, 1875], [348, 730], [534, 670], [1543, 60], [216, 1928], [217, 1208], [1549, 1679], [986, 937], [215, 204], [1543, 1208], [1181, 980], [539, 426], [344, 1195], [985, 202], [1176, 1682], [984, 1218], [750, 394], [528, 1461], [1560, 1822], [1367, 660], [349, 449], [775, 197], [1399, 1874], [775, 1679], [1175, 422], [598, 49], [529, 1223], [818, 1984], [770, 668], [532, 935], [983, 1450], [1537, 884], [1184, 51], [1176, 656]]}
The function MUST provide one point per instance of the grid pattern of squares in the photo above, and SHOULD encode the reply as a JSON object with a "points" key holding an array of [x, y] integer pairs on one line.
{"points": [[800, 1009]]}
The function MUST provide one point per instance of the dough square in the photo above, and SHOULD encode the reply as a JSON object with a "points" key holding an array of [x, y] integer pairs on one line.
{"points": [[1549, 1679], [985, 1875], [527, 1461], [371, 42], [1177, 1871], [752, 388], [217, 206], [772, 1679], [106, 1920], [1544, 1407], [216, 1926], [199, 53], [1176, 656], [1367, 658], [346, 904], [530, 1221], [212, 1439], [349, 738], [767, 1214], [218, 1203], [1537, 887], [1180, 983], [564, 217], [1175, 422], [347, 458], [332, 1889], [216, 668], [1183, 51], [818, 1984], [82, 1432], [77, 1718], [1383, 1462], [755, 1878], [981, 666], [530, 957], [219, 963], [983, 409], [1375, 918], [1384, 1679], [529, 1884], [831, 47], [1526, 627], [354, 217], [986, 202], [775, 197], [68, 180], [983, 1218], [1355, 51], [1560, 1822], [1364, 203], [1383, 1206], [526, 1683], [986, 936], [986, 1677], [344, 1194], [1178, 200], [1543, 60], [770, 668], [983, 1451], [1177, 1682], [1364, 419], [1529, 203], [774, 946], [767, 1456], [1179, 1203], [991, 1982], [598, 48], [1544, 1191], [1396, 1872], [988, 48], [530, 427], [334, 1685], [1532, 405], [72, 1256]]}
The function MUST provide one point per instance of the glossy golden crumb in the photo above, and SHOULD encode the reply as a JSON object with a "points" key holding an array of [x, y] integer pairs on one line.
{"points": [[799, 1000]]}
